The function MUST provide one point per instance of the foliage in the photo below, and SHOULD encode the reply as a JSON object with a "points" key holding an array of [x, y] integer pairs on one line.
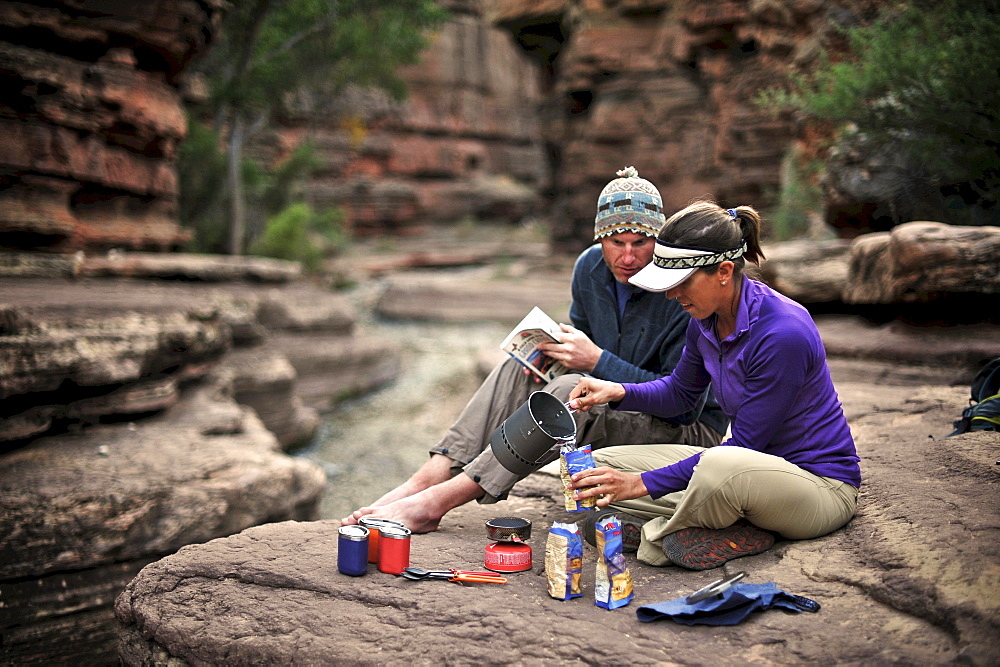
{"points": [[270, 193], [285, 180], [202, 175], [269, 48], [800, 198], [266, 52], [292, 235], [921, 92]]}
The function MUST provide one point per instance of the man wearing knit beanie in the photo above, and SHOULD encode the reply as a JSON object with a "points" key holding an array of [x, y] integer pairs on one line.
{"points": [[629, 204], [619, 333]]}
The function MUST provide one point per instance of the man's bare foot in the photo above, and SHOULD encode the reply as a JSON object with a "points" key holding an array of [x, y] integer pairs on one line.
{"points": [[355, 516], [435, 471], [422, 512], [409, 511]]}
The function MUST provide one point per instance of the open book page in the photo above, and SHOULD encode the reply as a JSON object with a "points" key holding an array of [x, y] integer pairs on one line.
{"points": [[522, 343]]}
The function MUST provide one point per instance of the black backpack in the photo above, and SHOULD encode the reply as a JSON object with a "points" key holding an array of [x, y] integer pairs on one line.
{"points": [[983, 413]]}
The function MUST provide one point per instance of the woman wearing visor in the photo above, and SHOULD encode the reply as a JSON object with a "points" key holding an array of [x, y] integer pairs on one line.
{"points": [[790, 466]]}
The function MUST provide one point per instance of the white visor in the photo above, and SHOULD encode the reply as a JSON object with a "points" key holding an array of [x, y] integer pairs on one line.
{"points": [[672, 264]]}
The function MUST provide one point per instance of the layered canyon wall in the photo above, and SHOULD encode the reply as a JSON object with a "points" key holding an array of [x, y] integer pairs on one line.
{"points": [[465, 145], [91, 119], [517, 110], [670, 87], [526, 109]]}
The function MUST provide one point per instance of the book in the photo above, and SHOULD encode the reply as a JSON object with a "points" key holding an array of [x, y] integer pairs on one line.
{"points": [[523, 340]]}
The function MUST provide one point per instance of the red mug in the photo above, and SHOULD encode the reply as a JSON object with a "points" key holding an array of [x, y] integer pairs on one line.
{"points": [[393, 549]]}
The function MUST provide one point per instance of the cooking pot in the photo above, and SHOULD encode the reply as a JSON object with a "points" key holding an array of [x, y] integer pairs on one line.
{"points": [[521, 442], [508, 528]]}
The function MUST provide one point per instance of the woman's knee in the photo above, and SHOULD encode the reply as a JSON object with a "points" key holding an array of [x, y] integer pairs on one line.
{"points": [[724, 461]]}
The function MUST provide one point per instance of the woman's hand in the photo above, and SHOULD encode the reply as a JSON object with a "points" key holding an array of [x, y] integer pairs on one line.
{"points": [[574, 350], [589, 392], [607, 485]]}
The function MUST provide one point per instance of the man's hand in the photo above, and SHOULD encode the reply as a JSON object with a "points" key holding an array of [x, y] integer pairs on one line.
{"points": [[531, 375], [589, 392], [607, 485], [574, 350]]}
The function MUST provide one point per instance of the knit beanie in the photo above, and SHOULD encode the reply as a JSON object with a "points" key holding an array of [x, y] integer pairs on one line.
{"points": [[629, 204]]}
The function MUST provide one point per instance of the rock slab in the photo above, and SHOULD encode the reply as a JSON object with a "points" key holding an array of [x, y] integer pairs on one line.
{"points": [[918, 260], [84, 511], [143, 415], [914, 578]]}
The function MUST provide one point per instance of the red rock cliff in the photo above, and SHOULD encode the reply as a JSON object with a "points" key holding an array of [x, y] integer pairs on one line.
{"points": [[90, 120], [517, 110], [465, 144], [527, 108], [667, 86]]}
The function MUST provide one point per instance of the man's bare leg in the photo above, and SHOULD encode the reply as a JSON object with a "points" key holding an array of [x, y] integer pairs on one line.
{"points": [[422, 511]]}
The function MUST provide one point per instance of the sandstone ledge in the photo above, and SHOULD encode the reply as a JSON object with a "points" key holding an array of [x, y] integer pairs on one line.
{"points": [[141, 416], [187, 266], [90, 349], [84, 511], [913, 578]]}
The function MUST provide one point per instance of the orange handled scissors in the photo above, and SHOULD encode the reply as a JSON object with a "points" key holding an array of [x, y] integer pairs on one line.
{"points": [[482, 577]]}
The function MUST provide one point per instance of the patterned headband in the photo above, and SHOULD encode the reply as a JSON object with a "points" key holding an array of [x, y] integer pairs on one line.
{"points": [[688, 257]]}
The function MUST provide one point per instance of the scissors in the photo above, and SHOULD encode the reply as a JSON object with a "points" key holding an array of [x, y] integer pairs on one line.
{"points": [[469, 576]]}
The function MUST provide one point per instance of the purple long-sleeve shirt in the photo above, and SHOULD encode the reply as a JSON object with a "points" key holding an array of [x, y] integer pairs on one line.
{"points": [[771, 379]]}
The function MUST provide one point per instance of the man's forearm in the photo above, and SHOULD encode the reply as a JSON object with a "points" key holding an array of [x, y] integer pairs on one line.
{"points": [[615, 369]]}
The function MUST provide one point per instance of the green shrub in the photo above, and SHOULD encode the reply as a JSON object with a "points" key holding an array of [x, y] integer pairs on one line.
{"points": [[300, 234], [202, 175], [917, 98]]}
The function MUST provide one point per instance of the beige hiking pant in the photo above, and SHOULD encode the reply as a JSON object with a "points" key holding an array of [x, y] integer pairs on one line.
{"points": [[467, 442], [730, 483]]}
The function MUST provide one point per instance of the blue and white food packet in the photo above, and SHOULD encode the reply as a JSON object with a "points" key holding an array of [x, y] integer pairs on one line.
{"points": [[564, 561], [573, 459], [613, 586]]}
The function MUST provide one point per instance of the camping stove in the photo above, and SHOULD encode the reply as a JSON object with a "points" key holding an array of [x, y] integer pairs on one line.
{"points": [[508, 553]]}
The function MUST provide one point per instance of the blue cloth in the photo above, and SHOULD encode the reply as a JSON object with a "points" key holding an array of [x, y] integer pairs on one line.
{"points": [[727, 608], [648, 342], [770, 376]]}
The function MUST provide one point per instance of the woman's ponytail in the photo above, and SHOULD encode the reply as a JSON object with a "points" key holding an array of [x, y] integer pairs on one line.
{"points": [[749, 222]]}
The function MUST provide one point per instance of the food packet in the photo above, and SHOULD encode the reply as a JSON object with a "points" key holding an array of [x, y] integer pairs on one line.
{"points": [[564, 561], [573, 459], [613, 582]]}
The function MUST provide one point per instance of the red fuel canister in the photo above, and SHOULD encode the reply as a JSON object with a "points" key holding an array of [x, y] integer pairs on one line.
{"points": [[508, 557]]}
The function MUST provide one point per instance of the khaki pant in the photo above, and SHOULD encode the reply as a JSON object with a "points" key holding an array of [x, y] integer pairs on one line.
{"points": [[730, 483], [467, 442]]}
